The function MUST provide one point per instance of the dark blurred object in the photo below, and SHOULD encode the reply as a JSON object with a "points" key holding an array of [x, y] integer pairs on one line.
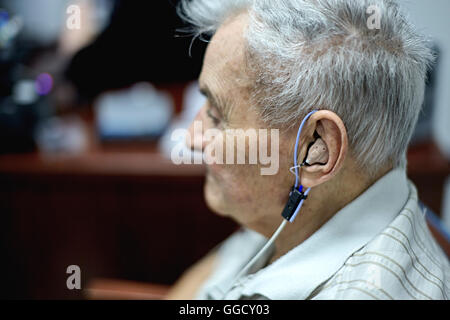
{"points": [[20, 113], [10, 53], [424, 123], [140, 44], [23, 101], [35, 46]]}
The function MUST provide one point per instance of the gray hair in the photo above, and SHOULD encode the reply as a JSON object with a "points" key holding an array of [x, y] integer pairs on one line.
{"points": [[321, 54]]}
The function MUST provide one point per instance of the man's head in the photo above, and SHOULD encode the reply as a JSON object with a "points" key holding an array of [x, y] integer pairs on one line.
{"points": [[271, 62]]}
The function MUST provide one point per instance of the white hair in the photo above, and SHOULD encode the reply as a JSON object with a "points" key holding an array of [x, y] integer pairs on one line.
{"points": [[321, 54]]}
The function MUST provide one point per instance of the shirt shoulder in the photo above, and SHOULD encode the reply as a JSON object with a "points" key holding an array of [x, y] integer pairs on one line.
{"points": [[402, 262], [232, 254]]}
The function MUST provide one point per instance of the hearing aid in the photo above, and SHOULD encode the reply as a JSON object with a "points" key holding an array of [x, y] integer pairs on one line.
{"points": [[317, 153]]}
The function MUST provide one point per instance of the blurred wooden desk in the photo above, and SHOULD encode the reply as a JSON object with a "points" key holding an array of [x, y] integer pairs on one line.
{"points": [[122, 212], [118, 212], [137, 160]]}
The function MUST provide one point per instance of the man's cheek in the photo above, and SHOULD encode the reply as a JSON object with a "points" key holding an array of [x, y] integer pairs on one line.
{"points": [[240, 181]]}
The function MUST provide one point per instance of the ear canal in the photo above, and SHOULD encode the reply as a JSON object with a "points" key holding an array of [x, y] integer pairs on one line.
{"points": [[317, 153]]}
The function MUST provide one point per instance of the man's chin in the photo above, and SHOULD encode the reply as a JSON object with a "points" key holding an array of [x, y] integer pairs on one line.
{"points": [[214, 197]]}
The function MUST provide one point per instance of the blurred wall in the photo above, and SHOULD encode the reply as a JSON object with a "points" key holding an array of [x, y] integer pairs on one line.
{"points": [[433, 19]]}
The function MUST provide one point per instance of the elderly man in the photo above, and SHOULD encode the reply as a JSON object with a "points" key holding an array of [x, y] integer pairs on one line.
{"points": [[360, 233]]}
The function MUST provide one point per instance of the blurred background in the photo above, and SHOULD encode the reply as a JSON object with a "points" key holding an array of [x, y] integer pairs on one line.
{"points": [[90, 91]]}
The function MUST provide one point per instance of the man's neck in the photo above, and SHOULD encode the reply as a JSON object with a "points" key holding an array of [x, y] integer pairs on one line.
{"points": [[322, 204]]}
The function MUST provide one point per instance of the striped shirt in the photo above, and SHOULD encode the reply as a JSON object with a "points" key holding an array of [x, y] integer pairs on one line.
{"points": [[376, 247]]}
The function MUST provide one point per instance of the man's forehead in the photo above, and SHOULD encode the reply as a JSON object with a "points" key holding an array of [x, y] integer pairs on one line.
{"points": [[225, 54]]}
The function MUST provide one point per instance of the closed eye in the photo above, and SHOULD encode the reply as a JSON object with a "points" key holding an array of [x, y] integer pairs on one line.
{"points": [[214, 119]]}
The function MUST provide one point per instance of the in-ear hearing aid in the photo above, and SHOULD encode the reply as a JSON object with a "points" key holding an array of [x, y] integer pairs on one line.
{"points": [[317, 153]]}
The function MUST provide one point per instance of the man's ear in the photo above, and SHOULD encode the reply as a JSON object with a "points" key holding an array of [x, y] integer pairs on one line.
{"points": [[324, 150]]}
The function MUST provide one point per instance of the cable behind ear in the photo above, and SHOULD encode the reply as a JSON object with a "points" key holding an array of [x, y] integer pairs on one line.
{"points": [[297, 196]]}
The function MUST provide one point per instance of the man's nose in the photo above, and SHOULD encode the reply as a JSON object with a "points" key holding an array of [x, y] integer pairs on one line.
{"points": [[194, 139]]}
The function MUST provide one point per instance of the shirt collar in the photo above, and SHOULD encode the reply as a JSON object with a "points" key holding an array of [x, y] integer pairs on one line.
{"points": [[296, 274]]}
